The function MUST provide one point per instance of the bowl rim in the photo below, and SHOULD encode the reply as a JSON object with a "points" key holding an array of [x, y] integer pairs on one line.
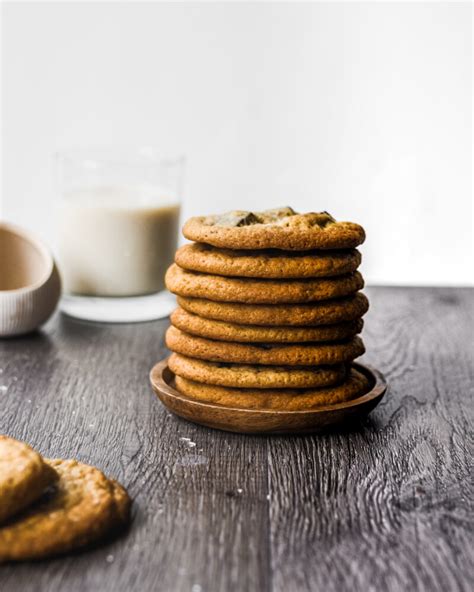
{"points": [[44, 252]]}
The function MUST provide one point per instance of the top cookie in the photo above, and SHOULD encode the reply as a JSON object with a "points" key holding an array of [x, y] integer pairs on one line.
{"points": [[23, 476], [280, 228]]}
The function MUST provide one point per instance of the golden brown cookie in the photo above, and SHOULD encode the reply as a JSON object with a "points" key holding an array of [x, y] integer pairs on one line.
{"points": [[83, 507], [122, 502], [283, 399], [281, 228], [222, 331], [305, 354], [296, 315], [23, 476], [259, 377], [259, 291], [266, 263]]}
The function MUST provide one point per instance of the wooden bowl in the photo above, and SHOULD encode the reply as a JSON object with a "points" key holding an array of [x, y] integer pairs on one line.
{"points": [[29, 282], [266, 421]]}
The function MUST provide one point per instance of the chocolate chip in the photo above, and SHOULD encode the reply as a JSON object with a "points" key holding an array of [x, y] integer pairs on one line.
{"points": [[236, 219], [276, 214], [328, 220]]}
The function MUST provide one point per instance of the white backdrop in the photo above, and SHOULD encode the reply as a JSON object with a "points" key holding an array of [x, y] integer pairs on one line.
{"points": [[361, 109]]}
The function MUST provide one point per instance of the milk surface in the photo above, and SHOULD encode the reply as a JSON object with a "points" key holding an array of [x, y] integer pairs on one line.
{"points": [[116, 241]]}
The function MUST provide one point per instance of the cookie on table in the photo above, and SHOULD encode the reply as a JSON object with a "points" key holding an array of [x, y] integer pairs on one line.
{"points": [[355, 386], [315, 313], [305, 354], [23, 476], [82, 508], [266, 264], [224, 331], [280, 228], [259, 377], [259, 291], [122, 503]]}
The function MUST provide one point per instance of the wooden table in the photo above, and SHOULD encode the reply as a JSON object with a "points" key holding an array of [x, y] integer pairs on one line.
{"points": [[387, 505]]}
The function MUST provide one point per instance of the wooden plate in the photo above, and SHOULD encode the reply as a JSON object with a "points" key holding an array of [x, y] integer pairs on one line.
{"points": [[266, 421]]}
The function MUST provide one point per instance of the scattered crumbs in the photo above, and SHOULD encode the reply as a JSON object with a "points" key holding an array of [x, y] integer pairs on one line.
{"points": [[190, 460], [196, 588], [110, 558], [91, 425], [231, 493], [28, 400], [268, 496], [3, 388], [189, 443]]}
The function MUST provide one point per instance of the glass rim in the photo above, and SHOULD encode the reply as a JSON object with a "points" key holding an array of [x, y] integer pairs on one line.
{"points": [[110, 155]]}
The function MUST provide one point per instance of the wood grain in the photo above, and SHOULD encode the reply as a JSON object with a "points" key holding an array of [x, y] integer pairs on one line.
{"points": [[387, 505]]}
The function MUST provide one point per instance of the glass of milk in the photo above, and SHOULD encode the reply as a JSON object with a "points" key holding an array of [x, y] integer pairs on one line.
{"points": [[118, 223]]}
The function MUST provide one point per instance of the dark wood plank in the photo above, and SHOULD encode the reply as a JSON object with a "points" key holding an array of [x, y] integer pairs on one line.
{"points": [[387, 506], [81, 390]]}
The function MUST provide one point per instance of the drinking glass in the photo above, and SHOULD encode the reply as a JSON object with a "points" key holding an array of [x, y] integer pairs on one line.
{"points": [[118, 222]]}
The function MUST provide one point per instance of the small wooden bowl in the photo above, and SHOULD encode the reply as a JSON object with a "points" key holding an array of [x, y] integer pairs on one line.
{"points": [[29, 282], [266, 421]]}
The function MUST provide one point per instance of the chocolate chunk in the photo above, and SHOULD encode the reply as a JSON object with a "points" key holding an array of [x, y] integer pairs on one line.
{"points": [[328, 219], [275, 214], [236, 219]]}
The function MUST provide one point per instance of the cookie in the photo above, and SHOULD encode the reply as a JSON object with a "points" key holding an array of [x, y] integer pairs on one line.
{"points": [[266, 264], [305, 354], [82, 508], [223, 331], [281, 228], [259, 291], [23, 476], [259, 377], [283, 399], [122, 503], [316, 313]]}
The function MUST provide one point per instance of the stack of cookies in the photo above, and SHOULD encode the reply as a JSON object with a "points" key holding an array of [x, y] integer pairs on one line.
{"points": [[49, 507], [269, 310]]}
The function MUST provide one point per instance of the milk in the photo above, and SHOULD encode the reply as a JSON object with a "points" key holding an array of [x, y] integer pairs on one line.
{"points": [[116, 241]]}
